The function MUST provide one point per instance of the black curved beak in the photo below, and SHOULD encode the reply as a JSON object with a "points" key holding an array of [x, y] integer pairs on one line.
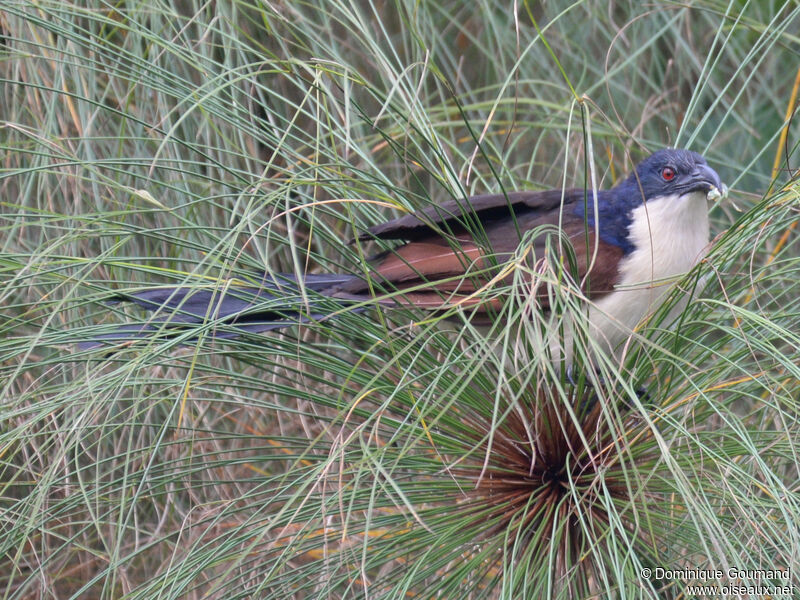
{"points": [[705, 178]]}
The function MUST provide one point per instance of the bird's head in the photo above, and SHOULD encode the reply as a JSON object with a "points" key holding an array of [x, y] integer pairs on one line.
{"points": [[672, 172], [678, 177]]}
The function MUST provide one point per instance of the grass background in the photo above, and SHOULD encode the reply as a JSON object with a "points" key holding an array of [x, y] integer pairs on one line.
{"points": [[382, 454]]}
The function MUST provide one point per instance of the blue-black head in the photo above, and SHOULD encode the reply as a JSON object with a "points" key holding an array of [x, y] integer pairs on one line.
{"points": [[669, 172]]}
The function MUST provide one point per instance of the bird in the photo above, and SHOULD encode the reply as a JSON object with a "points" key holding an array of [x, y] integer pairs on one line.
{"points": [[630, 243]]}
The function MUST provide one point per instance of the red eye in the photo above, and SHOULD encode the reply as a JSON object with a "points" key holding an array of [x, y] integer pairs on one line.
{"points": [[668, 173]]}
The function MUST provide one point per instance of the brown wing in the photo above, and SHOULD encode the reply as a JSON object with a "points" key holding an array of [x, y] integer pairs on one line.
{"points": [[443, 264], [461, 215]]}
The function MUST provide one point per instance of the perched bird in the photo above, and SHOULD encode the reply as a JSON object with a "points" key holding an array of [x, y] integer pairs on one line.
{"points": [[629, 243]]}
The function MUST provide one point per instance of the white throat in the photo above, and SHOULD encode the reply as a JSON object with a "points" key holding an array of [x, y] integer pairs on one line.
{"points": [[670, 235]]}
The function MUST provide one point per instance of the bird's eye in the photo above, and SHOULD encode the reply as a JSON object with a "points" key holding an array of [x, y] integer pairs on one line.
{"points": [[668, 173]]}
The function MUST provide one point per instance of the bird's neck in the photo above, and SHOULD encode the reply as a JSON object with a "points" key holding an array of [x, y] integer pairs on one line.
{"points": [[669, 234], [614, 210]]}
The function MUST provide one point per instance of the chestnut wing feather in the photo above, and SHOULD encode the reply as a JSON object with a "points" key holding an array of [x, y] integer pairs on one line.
{"points": [[452, 267], [455, 216]]}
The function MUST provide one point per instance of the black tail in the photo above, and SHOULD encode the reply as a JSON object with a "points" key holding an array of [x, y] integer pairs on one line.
{"points": [[278, 301]]}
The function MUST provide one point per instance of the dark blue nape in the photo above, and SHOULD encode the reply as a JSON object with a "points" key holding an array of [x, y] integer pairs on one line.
{"points": [[615, 217]]}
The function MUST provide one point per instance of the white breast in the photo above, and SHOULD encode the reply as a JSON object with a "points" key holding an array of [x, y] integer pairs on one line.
{"points": [[670, 235]]}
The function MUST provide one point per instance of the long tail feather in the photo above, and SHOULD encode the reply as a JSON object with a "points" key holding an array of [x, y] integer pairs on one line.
{"points": [[278, 301]]}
